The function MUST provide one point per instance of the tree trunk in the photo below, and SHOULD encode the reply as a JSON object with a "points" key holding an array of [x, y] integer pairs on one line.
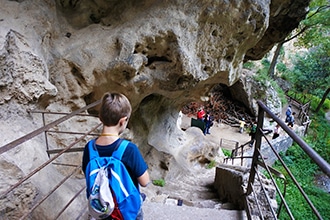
{"points": [[271, 71], [323, 99]]}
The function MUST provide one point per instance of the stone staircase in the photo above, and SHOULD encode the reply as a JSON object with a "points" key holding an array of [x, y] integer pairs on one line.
{"points": [[198, 197], [153, 210]]}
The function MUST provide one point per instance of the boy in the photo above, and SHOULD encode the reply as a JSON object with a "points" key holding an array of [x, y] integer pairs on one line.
{"points": [[114, 114]]}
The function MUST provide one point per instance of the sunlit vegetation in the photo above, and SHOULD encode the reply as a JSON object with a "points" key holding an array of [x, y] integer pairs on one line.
{"points": [[309, 77]]}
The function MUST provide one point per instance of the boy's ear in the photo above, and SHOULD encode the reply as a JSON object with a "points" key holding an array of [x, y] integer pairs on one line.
{"points": [[123, 120]]}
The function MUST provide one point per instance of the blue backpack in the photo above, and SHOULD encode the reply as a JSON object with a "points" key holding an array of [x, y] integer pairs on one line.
{"points": [[110, 189]]}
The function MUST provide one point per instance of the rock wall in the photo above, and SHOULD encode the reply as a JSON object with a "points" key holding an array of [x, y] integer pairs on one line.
{"points": [[61, 55], [231, 183]]}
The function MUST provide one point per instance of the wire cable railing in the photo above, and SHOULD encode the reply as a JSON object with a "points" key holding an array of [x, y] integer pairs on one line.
{"points": [[58, 153], [258, 164]]}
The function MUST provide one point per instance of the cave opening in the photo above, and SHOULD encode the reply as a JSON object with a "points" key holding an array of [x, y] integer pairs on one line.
{"points": [[221, 105]]}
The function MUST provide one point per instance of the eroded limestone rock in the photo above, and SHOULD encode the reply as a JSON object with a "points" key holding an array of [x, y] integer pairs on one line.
{"points": [[24, 75], [61, 55]]}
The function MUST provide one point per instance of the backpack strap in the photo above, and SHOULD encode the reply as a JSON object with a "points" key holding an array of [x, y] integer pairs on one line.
{"points": [[120, 150], [118, 153]]}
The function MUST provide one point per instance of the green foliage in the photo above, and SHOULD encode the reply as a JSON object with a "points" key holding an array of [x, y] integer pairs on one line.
{"points": [[264, 79], [304, 98], [311, 71], [248, 65], [300, 209], [281, 68], [316, 100], [265, 63], [310, 78], [304, 170], [262, 73], [261, 77], [319, 136], [316, 26], [326, 104], [226, 152], [211, 164], [159, 182]]}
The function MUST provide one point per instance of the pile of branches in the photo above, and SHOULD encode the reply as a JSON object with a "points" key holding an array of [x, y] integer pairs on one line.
{"points": [[222, 108]]}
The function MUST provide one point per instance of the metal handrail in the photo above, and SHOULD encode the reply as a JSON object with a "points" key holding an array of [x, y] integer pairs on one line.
{"points": [[59, 152], [258, 160], [323, 165], [266, 195], [50, 193], [45, 164], [45, 128], [295, 182], [270, 171], [71, 200]]}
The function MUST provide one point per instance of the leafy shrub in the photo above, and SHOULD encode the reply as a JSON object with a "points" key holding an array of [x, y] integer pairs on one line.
{"points": [[304, 170], [316, 100], [159, 182], [310, 70], [226, 152], [266, 63], [248, 65], [326, 104], [281, 67]]}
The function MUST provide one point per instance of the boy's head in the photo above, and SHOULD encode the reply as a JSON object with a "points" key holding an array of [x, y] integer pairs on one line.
{"points": [[114, 107]]}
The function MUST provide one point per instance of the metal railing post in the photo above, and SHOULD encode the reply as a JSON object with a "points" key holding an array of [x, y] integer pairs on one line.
{"points": [[46, 139], [257, 145]]}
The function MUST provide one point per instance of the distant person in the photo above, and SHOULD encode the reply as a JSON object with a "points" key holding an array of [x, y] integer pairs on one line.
{"points": [[276, 133], [114, 114], [208, 120], [253, 132], [200, 114], [291, 119], [288, 113], [241, 125]]}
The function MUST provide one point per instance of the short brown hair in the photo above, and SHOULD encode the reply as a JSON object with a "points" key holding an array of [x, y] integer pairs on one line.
{"points": [[114, 107]]}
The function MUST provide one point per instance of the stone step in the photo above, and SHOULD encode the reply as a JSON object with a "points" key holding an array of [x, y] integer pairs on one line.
{"points": [[153, 210]]}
